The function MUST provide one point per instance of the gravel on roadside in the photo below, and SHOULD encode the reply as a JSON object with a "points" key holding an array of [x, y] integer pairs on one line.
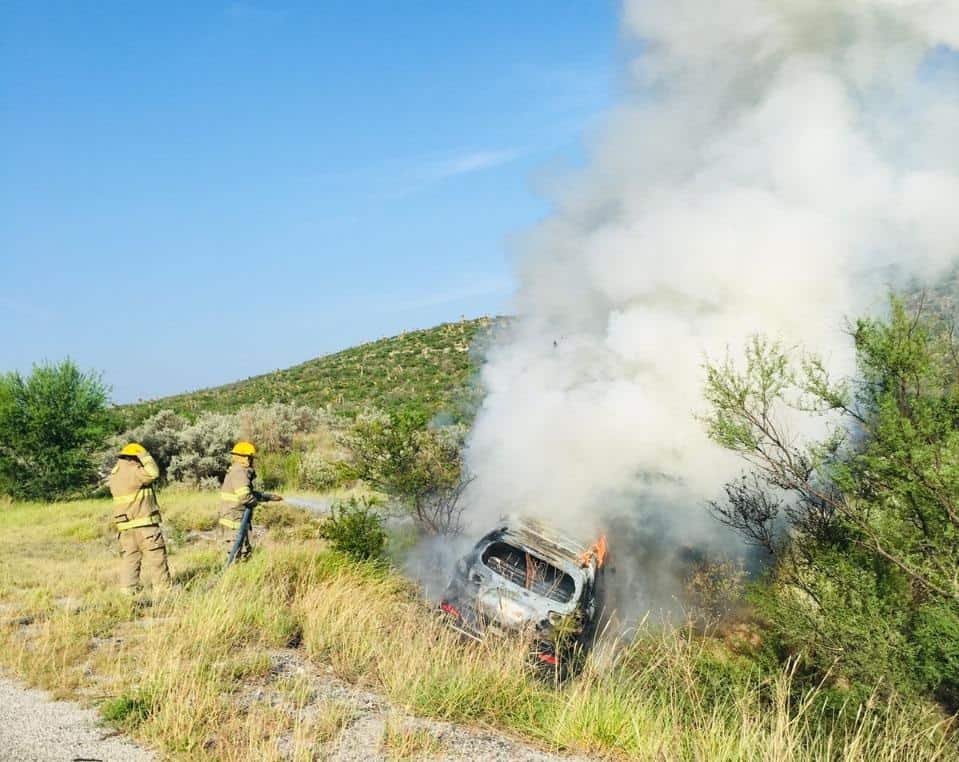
{"points": [[35, 728]]}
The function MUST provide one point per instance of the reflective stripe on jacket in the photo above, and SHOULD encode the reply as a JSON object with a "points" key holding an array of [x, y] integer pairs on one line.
{"points": [[152, 520], [131, 484], [237, 489]]}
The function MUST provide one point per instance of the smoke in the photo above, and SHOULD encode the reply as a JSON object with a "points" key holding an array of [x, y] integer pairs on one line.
{"points": [[775, 167]]}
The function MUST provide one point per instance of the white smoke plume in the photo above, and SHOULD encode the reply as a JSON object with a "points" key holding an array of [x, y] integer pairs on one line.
{"points": [[778, 164]]}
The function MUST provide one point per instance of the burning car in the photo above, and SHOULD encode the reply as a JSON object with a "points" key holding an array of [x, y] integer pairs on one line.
{"points": [[525, 577]]}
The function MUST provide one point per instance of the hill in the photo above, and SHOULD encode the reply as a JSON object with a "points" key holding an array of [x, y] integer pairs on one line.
{"points": [[429, 368]]}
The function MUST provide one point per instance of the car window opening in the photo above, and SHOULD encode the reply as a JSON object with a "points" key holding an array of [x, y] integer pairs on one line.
{"points": [[526, 570]]}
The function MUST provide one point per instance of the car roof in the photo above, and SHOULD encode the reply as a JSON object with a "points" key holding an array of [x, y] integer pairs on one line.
{"points": [[543, 540]]}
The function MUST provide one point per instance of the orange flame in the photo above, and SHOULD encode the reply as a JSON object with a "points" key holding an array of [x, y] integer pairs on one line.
{"points": [[598, 550]]}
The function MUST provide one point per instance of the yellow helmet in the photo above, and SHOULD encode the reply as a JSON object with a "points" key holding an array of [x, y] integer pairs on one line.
{"points": [[134, 448], [243, 448]]}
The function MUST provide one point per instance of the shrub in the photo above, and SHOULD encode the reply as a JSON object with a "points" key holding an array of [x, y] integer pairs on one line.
{"points": [[860, 526], [279, 469], [402, 455], [197, 454], [204, 455], [160, 434], [714, 589], [355, 527], [51, 423], [282, 516], [273, 426], [318, 473]]}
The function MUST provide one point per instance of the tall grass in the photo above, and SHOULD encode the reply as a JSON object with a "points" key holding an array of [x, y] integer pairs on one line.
{"points": [[653, 698], [185, 674]]}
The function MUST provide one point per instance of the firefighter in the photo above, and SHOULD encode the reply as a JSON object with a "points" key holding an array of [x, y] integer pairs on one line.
{"points": [[137, 518], [237, 494]]}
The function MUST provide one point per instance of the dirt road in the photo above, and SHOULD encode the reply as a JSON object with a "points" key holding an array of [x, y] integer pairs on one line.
{"points": [[33, 728]]}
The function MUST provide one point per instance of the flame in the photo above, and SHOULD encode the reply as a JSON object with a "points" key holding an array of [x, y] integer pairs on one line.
{"points": [[597, 550]]}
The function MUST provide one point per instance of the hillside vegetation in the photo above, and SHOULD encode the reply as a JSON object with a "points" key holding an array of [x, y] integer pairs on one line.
{"points": [[428, 369]]}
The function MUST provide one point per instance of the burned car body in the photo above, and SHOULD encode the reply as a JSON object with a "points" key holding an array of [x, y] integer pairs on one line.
{"points": [[525, 577]]}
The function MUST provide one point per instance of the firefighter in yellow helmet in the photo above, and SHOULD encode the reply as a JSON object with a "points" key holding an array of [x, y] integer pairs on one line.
{"points": [[237, 494], [137, 518]]}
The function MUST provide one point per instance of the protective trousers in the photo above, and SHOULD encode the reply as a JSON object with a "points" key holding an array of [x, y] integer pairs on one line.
{"points": [[143, 547], [229, 526]]}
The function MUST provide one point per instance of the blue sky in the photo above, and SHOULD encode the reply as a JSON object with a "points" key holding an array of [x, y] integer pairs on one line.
{"points": [[195, 192]]}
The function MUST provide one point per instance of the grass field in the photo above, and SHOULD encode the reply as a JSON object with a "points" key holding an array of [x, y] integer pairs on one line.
{"points": [[194, 675], [428, 368]]}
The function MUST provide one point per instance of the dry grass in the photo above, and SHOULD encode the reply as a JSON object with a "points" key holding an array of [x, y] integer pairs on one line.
{"points": [[330, 721], [402, 741], [177, 673]]}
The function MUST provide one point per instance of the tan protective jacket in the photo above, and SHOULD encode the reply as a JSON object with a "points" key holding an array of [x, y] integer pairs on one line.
{"points": [[237, 490], [134, 500], [237, 494]]}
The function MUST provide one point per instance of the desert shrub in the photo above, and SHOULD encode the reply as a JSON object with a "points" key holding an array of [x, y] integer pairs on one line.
{"points": [[196, 454], [160, 434], [51, 423], [204, 455], [417, 464], [355, 527], [206, 483], [282, 516], [318, 473], [273, 426]]}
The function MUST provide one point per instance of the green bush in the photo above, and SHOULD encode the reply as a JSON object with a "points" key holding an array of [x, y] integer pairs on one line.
{"points": [[279, 470], [51, 424], [861, 525], [355, 527], [418, 464]]}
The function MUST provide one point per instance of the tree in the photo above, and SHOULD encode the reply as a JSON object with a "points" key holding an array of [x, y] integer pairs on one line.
{"points": [[401, 455], [860, 525], [51, 423]]}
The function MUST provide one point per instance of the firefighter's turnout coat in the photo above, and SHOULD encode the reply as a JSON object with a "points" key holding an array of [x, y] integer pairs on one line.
{"points": [[137, 518], [236, 495]]}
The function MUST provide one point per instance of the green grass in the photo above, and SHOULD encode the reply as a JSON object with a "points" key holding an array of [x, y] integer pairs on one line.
{"points": [[179, 674], [428, 368]]}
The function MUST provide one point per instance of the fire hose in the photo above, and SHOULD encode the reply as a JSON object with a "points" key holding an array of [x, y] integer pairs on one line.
{"points": [[244, 529], [241, 534]]}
